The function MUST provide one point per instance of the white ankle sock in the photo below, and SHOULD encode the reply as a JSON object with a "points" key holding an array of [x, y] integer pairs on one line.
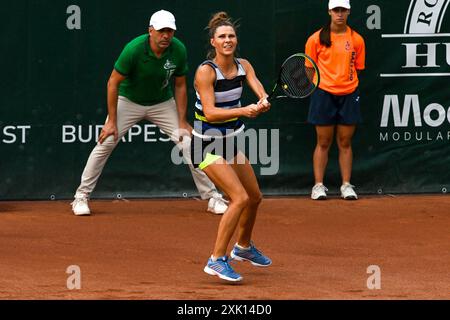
{"points": [[242, 248]]}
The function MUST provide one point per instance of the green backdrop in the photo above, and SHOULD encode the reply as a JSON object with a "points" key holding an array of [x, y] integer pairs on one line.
{"points": [[54, 79]]}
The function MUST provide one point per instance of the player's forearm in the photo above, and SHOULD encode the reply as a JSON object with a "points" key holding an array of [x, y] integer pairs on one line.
{"points": [[214, 114], [261, 93], [259, 90]]}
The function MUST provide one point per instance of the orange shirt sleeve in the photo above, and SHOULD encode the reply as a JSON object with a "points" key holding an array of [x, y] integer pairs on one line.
{"points": [[311, 47], [360, 48]]}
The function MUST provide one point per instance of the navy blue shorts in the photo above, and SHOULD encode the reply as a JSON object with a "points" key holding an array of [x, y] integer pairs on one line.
{"points": [[329, 109]]}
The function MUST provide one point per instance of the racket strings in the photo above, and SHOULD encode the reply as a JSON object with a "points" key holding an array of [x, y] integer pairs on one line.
{"points": [[297, 79]]}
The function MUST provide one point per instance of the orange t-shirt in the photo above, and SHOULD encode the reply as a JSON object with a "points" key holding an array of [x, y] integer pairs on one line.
{"points": [[338, 63]]}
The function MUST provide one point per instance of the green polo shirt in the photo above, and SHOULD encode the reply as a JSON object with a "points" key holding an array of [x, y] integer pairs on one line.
{"points": [[148, 77]]}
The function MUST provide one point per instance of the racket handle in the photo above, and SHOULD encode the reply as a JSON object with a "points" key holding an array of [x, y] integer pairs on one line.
{"points": [[271, 97]]}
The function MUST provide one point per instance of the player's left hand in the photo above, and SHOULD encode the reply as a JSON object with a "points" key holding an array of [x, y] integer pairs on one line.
{"points": [[264, 105]]}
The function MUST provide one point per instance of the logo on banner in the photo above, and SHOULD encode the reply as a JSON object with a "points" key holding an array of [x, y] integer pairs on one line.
{"points": [[425, 46], [425, 16]]}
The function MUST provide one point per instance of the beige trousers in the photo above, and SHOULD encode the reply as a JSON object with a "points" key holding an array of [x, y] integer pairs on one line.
{"points": [[165, 116]]}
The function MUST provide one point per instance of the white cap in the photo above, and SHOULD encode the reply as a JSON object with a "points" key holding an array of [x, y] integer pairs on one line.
{"points": [[338, 3], [163, 19]]}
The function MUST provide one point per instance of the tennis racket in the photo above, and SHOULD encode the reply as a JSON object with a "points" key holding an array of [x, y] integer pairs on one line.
{"points": [[298, 78]]}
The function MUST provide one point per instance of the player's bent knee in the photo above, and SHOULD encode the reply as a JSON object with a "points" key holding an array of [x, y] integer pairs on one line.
{"points": [[241, 200], [256, 199]]}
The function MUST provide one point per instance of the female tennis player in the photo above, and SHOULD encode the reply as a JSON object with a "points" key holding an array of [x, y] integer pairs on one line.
{"points": [[339, 53], [218, 84]]}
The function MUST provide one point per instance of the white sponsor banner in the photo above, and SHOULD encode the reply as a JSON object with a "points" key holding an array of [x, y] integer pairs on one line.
{"points": [[425, 16]]}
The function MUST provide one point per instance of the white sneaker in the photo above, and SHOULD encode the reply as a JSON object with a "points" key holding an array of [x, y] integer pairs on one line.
{"points": [[217, 204], [347, 192], [80, 205], [319, 192]]}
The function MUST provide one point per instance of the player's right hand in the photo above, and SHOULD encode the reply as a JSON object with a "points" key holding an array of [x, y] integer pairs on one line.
{"points": [[109, 129], [251, 111]]}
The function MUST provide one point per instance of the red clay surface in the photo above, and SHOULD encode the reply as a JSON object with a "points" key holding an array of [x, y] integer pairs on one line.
{"points": [[156, 249]]}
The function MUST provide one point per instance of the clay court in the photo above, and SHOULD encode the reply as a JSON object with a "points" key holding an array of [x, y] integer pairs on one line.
{"points": [[156, 249]]}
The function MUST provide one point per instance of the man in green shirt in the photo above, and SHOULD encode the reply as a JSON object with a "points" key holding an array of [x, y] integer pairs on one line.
{"points": [[139, 88]]}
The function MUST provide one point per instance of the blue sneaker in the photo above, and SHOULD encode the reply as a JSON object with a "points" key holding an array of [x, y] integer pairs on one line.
{"points": [[252, 254], [222, 269]]}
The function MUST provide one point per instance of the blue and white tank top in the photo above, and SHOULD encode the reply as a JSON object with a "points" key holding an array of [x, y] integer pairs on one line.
{"points": [[227, 93]]}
